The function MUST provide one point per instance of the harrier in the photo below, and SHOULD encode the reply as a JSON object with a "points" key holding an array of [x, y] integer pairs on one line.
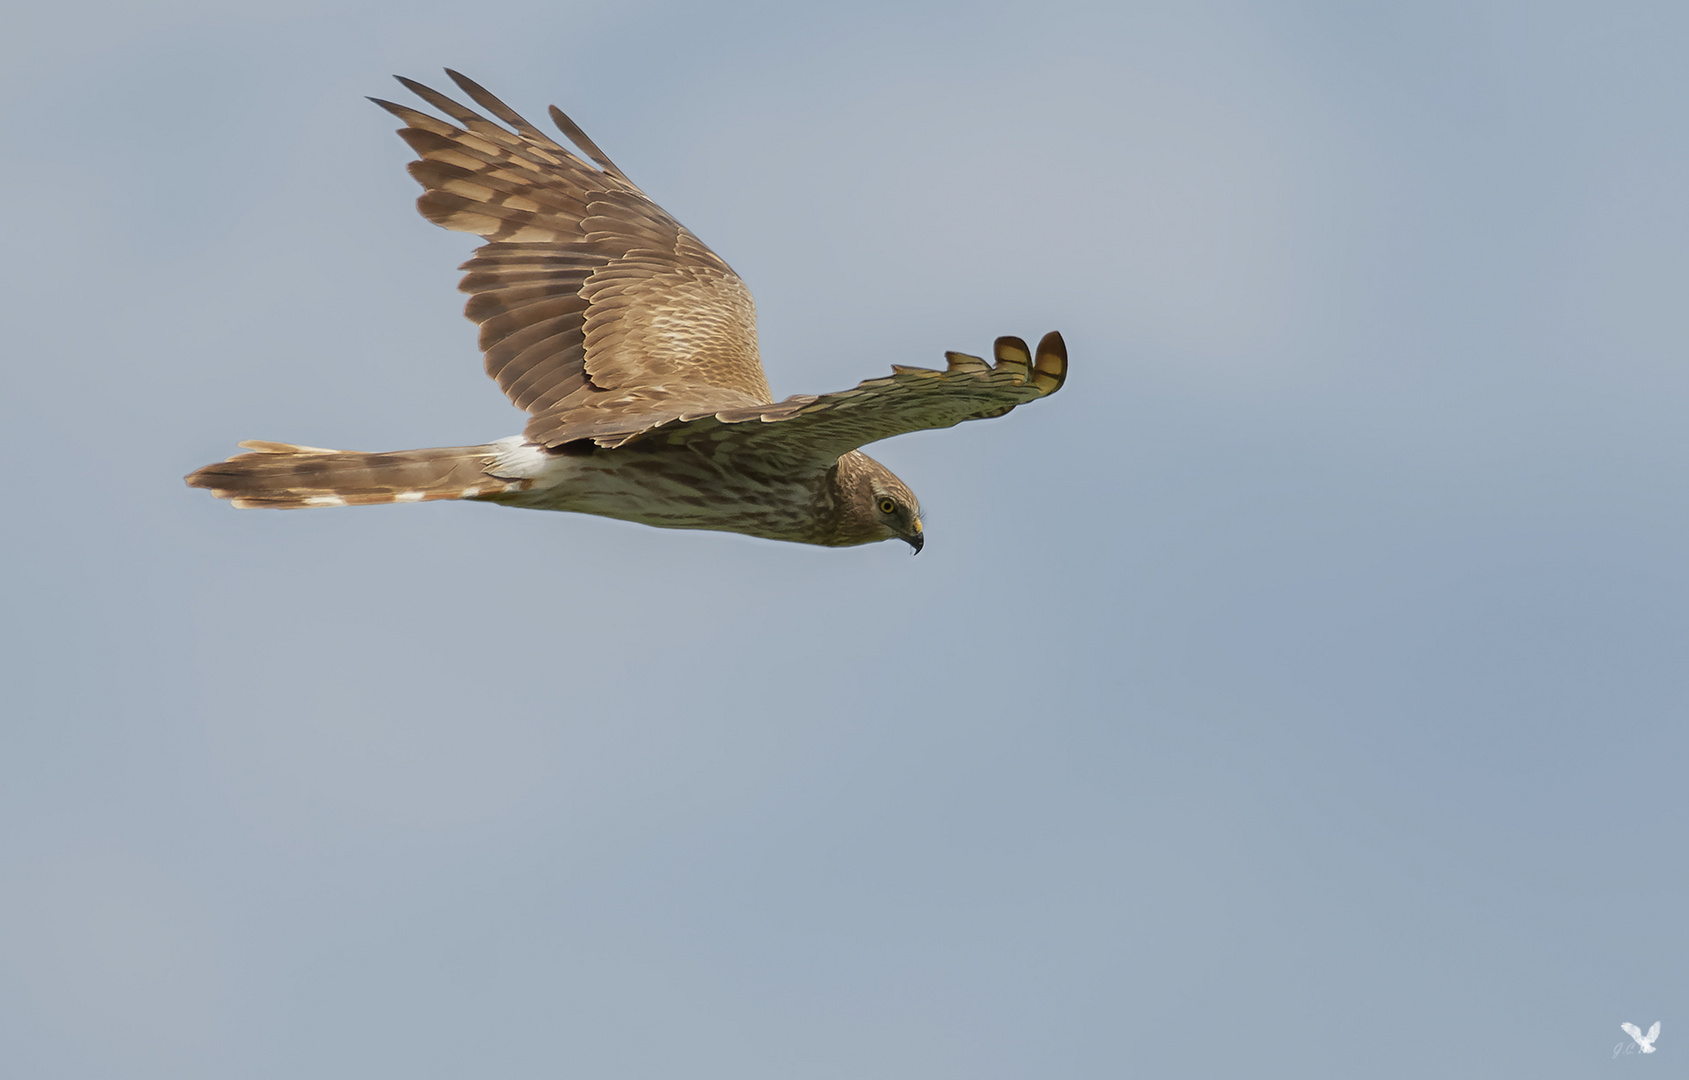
{"points": [[633, 349]]}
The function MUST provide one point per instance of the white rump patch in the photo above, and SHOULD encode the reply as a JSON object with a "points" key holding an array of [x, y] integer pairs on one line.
{"points": [[516, 458]]}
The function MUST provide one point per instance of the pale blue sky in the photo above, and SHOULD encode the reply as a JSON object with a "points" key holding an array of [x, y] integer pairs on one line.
{"points": [[1300, 693]]}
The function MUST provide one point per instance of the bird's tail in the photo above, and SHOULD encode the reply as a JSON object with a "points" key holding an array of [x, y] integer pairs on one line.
{"points": [[281, 476]]}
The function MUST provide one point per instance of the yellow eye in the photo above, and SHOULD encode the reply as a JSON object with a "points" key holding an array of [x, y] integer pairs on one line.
{"points": [[887, 506]]}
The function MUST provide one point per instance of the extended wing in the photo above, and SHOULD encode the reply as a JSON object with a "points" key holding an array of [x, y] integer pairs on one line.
{"points": [[816, 430], [597, 309]]}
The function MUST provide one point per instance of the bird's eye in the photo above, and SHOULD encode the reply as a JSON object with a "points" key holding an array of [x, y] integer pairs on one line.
{"points": [[887, 506]]}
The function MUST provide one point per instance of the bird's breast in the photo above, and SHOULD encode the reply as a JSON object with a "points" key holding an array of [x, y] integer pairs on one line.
{"points": [[675, 487]]}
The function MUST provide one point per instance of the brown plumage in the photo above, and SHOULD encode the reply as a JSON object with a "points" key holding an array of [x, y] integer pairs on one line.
{"points": [[632, 346], [284, 476]]}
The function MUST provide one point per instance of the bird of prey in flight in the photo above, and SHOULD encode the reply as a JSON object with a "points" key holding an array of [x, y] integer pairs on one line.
{"points": [[633, 349], [1646, 1042]]}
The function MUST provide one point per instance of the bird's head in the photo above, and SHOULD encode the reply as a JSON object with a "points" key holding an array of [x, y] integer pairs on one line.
{"points": [[873, 504]]}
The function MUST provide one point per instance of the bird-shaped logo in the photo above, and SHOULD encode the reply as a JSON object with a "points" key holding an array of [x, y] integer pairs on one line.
{"points": [[1646, 1042]]}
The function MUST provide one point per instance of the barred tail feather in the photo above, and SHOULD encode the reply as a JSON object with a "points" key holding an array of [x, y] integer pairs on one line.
{"points": [[282, 476]]}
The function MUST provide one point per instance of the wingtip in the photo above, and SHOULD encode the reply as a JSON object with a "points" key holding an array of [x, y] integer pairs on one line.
{"points": [[1012, 354], [1049, 367], [465, 83], [960, 361]]}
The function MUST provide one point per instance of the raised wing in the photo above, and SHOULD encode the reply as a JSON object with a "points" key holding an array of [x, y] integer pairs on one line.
{"points": [[814, 431], [1632, 1030], [1653, 1032], [597, 309]]}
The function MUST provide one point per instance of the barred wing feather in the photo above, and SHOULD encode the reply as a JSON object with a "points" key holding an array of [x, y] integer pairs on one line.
{"points": [[816, 430], [597, 309]]}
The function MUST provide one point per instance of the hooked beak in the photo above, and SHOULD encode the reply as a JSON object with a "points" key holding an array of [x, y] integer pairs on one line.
{"points": [[916, 541]]}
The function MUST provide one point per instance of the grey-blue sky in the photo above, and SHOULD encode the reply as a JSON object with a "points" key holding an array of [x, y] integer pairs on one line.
{"points": [[1302, 687]]}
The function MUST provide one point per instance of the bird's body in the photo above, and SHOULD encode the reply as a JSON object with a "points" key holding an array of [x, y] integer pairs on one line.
{"points": [[675, 486], [633, 348], [1646, 1042]]}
